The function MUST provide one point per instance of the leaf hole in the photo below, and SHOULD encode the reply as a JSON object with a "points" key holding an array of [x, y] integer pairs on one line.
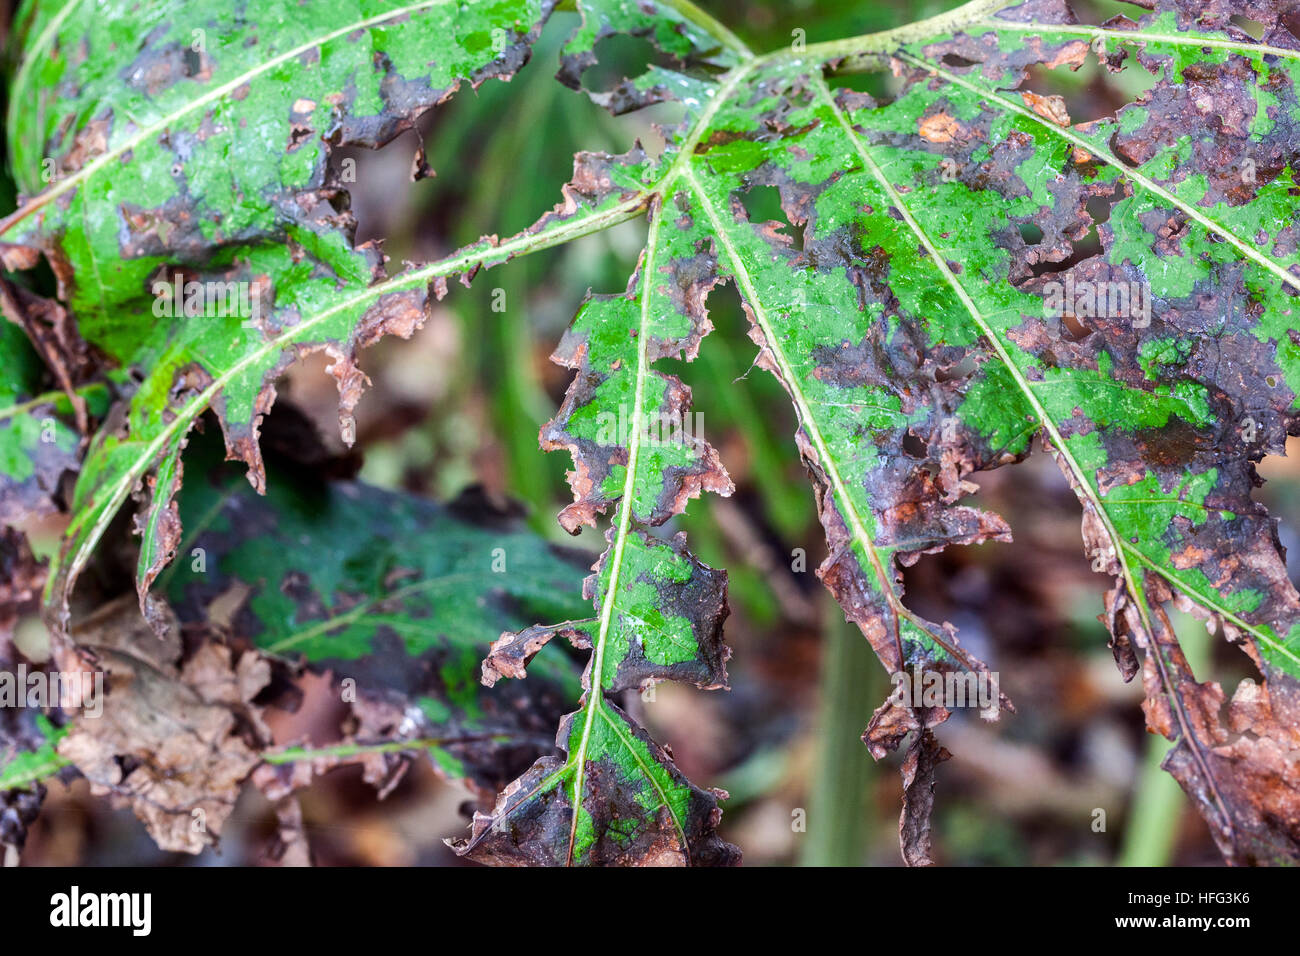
{"points": [[1072, 329], [882, 87], [1031, 234], [963, 369], [193, 60], [763, 206], [618, 58], [1252, 27], [914, 446], [1085, 248], [1099, 207], [1119, 152], [1091, 92], [960, 62]]}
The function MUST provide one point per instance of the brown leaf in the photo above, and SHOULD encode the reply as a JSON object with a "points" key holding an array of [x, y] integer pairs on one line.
{"points": [[177, 737], [1241, 764], [923, 758]]}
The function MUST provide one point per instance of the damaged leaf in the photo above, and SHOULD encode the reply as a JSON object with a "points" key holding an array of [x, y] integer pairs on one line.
{"points": [[616, 797], [1148, 338], [923, 339], [395, 597], [158, 135], [178, 733], [191, 154], [38, 440]]}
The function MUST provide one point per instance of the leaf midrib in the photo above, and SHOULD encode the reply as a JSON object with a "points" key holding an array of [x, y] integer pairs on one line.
{"points": [[595, 694], [1138, 36]]}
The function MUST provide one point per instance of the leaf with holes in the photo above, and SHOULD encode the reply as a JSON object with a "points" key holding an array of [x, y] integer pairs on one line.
{"points": [[962, 267], [922, 338], [616, 797], [176, 163]]}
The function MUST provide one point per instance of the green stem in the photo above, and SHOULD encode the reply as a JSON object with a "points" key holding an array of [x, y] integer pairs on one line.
{"points": [[711, 26], [294, 754], [1158, 801], [839, 808], [886, 41], [58, 398]]}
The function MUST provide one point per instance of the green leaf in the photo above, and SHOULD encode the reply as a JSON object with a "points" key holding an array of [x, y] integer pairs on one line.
{"points": [[37, 444], [921, 335], [617, 797], [900, 303], [157, 133], [392, 593], [20, 769], [187, 151], [636, 808]]}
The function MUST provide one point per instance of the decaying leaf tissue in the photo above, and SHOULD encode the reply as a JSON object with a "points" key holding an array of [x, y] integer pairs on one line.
{"points": [[289, 329]]}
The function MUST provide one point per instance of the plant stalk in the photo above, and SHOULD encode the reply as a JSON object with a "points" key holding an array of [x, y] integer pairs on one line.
{"points": [[839, 806]]}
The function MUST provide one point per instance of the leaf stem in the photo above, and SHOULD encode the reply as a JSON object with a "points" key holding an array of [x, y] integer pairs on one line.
{"points": [[57, 397], [1140, 36], [886, 41], [839, 806], [706, 22], [1158, 800], [295, 754]]}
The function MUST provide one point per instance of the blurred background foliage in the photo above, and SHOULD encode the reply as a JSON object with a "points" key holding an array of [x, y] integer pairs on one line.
{"points": [[1070, 779]]}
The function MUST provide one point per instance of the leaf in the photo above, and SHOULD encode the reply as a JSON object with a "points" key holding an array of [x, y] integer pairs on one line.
{"points": [[921, 337], [393, 594], [617, 798], [636, 808], [689, 38], [197, 158], [151, 135], [37, 446], [37, 761], [27, 757], [900, 303], [173, 738], [923, 756]]}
